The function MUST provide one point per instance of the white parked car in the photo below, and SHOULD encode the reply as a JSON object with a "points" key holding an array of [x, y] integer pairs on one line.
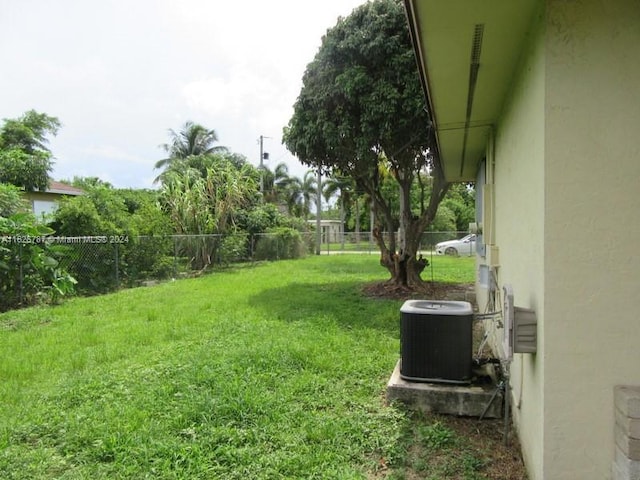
{"points": [[463, 246]]}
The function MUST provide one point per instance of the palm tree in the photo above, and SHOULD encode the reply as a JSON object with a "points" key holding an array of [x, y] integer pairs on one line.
{"points": [[343, 187], [300, 194], [192, 140], [281, 177], [273, 182]]}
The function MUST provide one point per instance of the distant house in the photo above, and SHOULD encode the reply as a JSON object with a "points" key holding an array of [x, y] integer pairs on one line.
{"points": [[45, 203], [331, 230]]}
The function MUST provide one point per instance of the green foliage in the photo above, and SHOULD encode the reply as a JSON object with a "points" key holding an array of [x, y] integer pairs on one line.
{"points": [[163, 267], [200, 205], [193, 142], [361, 95], [301, 194], [436, 435], [260, 219], [203, 205], [234, 248], [30, 271], [280, 243], [25, 160], [104, 210], [88, 183], [445, 220], [121, 214], [27, 170], [80, 216], [11, 200], [460, 200], [29, 132], [361, 114], [145, 257]]}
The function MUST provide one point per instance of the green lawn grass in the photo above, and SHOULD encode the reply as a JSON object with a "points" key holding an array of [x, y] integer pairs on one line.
{"points": [[276, 370]]}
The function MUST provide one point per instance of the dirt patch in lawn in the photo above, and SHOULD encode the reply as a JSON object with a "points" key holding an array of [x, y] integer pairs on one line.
{"points": [[429, 290]]}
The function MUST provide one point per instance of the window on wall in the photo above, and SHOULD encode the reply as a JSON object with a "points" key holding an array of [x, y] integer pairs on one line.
{"points": [[42, 208]]}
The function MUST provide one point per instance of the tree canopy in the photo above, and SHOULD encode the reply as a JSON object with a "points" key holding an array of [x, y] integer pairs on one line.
{"points": [[361, 113], [25, 159], [194, 140]]}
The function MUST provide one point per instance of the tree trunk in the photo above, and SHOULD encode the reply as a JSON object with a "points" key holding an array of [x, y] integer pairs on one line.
{"points": [[357, 220], [404, 263]]}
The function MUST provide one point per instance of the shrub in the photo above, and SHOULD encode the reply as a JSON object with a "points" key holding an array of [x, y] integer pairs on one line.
{"points": [[280, 243], [233, 248], [140, 257], [30, 271], [163, 268]]}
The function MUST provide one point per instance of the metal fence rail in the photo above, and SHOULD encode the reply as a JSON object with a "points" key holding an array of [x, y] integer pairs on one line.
{"points": [[364, 242]]}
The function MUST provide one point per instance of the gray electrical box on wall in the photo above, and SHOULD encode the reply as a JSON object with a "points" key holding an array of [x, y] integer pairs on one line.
{"points": [[525, 326], [520, 326]]}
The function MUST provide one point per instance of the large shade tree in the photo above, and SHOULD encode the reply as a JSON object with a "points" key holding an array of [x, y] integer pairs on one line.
{"points": [[361, 112]]}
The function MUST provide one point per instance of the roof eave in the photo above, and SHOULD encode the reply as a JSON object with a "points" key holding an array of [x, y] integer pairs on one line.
{"points": [[466, 52]]}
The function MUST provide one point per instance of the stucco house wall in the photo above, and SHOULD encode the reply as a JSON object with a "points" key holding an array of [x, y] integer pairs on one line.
{"points": [[552, 87], [592, 202], [565, 169], [331, 230], [519, 176], [46, 203]]}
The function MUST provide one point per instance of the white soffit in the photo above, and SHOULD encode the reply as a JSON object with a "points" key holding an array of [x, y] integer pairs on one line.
{"points": [[467, 51]]}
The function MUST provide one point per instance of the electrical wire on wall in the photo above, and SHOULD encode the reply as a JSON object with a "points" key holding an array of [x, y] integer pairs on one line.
{"points": [[494, 311], [490, 311]]}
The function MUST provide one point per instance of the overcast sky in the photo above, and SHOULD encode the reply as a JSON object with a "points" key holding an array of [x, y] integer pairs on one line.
{"points": [[119, 73]]}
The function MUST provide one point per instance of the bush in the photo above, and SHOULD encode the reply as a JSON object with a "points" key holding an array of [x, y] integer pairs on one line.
{"points": [[280, 243], [163, 268], [233, 248], [30, 271], [140, 257], [11, 201]]}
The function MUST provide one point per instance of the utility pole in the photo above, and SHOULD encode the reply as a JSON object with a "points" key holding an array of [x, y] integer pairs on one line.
{"points": [[263, 156]]}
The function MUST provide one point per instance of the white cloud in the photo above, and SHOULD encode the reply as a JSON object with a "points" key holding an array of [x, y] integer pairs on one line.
{"points": [[119, 74], [241, 92], [113, 153]]}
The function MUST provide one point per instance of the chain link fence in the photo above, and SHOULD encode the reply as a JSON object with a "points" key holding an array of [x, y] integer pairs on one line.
{"points": [[364, 242], [101, 264]]}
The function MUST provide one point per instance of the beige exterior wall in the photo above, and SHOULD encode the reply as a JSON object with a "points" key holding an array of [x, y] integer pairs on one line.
{"points": [[592, 218], [42, 201], [566, 220], [519, 233]]}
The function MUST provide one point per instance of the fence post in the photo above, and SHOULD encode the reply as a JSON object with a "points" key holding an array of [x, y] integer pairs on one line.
{"points": [[175, 256], [21, 279], [117, 266]]}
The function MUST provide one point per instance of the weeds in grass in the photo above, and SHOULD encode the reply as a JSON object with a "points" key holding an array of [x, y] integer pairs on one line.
{"points": [[435, 436]]}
